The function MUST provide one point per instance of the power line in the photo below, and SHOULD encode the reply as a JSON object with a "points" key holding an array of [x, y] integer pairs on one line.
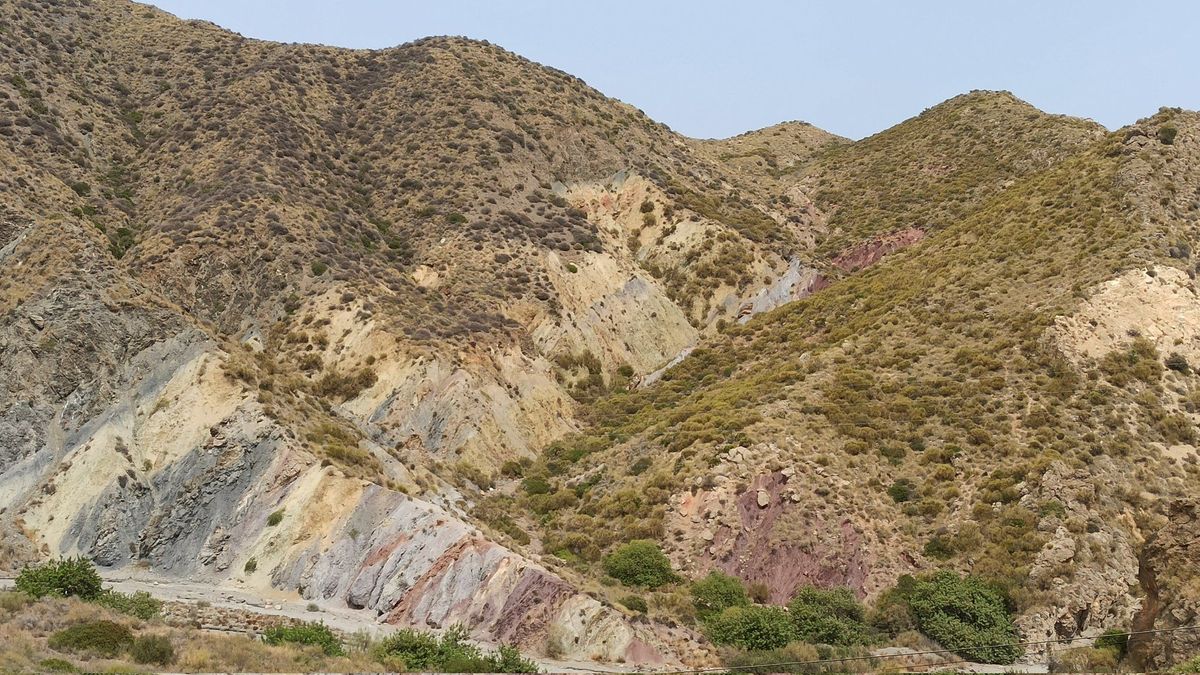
{"points": [[846, 659]]}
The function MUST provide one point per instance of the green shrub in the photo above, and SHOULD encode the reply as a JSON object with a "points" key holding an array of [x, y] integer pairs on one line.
{"points": [[81, 188], [891, 613], [58, 666], [275, 518], [250, 566], [634, 603], [717, 592], [963, 613], [1114, 640], [1166, 135], [140, 604], [830, 617], [68, 577], [412, 650], [751, 627], [307, 633], [319, 268], [1179, 363], [902, 490], [939, 547], [639, 563], [536, 485], [1083, 660], [154, 649], [106, 638]]}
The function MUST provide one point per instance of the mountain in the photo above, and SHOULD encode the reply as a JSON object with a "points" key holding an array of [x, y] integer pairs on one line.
{"points": [[468, 325], [1010, 396]]}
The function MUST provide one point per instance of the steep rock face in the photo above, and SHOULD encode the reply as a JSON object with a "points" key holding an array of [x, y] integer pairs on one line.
{"points": [[1159, 303], [870, 252], [189, 495], [785, 528], [1169, 579], [1087, 576]]}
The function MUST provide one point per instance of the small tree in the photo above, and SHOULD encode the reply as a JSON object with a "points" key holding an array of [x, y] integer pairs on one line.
{"points": [[717, 592], [639, 563]]}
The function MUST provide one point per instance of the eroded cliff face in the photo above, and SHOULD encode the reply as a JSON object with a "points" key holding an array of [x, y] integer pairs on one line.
{"points": [[132, 435], [182, 470], [1168, 576]]}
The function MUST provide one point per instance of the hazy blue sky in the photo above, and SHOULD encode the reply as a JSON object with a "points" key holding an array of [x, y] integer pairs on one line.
{"points": [[716, 68]]}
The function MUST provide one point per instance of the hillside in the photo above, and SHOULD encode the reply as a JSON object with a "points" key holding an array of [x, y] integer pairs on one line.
{"points": [[428, 331], [994, 399]]}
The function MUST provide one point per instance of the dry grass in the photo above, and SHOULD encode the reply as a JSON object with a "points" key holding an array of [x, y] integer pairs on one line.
{"points": [[25, 627]]}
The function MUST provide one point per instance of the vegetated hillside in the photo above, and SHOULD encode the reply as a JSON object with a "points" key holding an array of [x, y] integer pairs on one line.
{"points": [[765, 158], [937, 167], [430, 193], [1012, 397], [284, 315]]}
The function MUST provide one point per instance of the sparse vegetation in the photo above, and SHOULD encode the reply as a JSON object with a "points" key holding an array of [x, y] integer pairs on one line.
{"points": [[152, 649]]}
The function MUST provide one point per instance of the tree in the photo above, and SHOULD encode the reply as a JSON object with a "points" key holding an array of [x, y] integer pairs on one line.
{"points": [[639, 563]]}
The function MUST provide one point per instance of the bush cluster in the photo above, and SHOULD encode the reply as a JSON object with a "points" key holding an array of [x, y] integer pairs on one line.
{"points": [[829, 617], [961, 614], [307, 633], [752, 627], [409, 650], [102, 637], [139, 604], [65, 578], [716, 593], [640, 563]]}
